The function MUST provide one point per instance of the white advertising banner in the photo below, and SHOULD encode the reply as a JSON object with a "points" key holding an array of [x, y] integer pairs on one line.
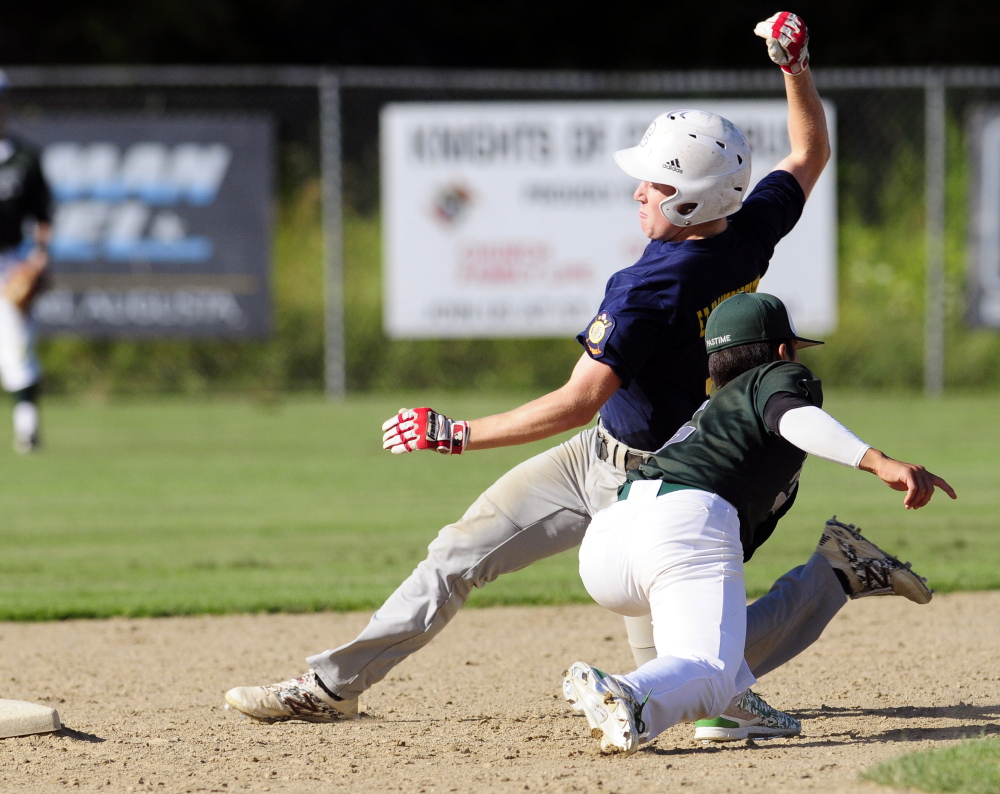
{"points": [[506, 219]]}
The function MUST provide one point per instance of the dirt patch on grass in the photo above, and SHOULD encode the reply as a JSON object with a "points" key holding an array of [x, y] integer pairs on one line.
{"points": [[480, 708]]}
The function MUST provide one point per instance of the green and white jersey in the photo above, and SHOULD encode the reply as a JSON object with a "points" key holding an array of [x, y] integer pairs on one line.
{"points": [[731, 447]]}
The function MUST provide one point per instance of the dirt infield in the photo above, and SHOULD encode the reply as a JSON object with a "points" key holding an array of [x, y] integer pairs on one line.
{"points": [[479, 709]]}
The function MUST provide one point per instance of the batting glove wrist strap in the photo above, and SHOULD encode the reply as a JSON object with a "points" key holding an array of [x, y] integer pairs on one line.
{"points": [[423, 428], [787, 41]]}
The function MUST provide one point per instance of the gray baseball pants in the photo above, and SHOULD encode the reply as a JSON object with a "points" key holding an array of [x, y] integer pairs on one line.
{"points": [[536, 510]]}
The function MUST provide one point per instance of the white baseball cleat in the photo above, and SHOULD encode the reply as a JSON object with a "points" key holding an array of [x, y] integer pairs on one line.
{"points": [[748, 717], [569, 694], [303, 698], [867, 570], [615, 716]]}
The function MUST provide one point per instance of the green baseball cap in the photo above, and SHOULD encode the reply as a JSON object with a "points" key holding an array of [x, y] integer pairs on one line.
{"points": [[750, 317]]}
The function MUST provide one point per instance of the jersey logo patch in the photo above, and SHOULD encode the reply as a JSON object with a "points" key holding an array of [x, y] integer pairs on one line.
{"points": [[598, 333]]}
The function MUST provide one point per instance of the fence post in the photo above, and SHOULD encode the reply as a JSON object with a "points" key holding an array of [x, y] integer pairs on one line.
{"points": [[333, 234], [935, 164]]}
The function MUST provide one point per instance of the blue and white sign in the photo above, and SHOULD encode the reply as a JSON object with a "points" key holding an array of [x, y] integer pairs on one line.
{"points": [[162, 226]]}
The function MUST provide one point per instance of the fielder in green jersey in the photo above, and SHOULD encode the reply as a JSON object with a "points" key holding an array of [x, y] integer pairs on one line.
{"points": [[674, 544], [732, 451]]}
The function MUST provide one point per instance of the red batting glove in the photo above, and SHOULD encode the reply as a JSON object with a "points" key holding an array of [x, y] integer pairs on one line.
{"points": [[422, 428], [787, 41]]}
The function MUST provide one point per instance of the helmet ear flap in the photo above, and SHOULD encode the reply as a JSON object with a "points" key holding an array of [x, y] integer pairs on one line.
{"points": [[684, 209]]}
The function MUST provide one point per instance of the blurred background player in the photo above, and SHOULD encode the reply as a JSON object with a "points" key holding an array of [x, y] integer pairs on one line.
{"points": [[25, 206]]}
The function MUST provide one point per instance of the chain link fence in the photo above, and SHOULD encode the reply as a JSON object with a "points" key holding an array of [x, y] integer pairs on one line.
{"points": [[902, 177]]}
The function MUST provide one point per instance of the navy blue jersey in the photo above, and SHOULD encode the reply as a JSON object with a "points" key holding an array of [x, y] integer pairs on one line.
{"points": [[650, 328]]}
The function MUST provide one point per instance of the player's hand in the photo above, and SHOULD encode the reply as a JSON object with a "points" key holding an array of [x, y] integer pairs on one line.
{"points": [[423, 428], [26, 280], [918, 483], [787, 41]]}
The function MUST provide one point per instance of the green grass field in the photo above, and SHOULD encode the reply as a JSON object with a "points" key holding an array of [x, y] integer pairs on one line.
{"points": [[177, 506], [972, 767]]}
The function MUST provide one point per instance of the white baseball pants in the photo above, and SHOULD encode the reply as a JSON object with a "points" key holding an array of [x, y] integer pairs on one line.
{"points": [[678, 558], [19, 367], [540, 508]]}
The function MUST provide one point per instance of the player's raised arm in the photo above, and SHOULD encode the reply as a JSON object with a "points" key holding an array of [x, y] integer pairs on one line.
{"points": [[788, 46], [570, 406]]}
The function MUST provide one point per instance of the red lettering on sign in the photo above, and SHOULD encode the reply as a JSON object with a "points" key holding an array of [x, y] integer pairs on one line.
{"points": [[503, 263]]}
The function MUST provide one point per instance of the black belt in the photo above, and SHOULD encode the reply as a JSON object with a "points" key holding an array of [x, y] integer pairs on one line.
{"points": [[617, 454]]}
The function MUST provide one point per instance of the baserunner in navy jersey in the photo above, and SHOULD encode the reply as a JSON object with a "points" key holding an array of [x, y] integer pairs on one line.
{"points": [[644, 367], [650, 327], [674, 544]]}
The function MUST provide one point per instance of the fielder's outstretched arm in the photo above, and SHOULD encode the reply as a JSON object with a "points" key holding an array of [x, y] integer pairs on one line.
{"points": [[813, 430], [570, 406]]}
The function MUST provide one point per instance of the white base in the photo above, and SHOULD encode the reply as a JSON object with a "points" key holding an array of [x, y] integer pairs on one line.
{"points": [[18, 718]]}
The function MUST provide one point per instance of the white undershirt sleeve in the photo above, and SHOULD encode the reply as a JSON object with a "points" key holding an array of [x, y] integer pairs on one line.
{"points": [[813, 430]]}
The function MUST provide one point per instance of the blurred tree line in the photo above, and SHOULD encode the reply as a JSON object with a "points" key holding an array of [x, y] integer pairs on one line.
{"points": [[878, 343]]}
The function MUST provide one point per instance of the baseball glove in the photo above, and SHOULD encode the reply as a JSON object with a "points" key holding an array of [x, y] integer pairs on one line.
{"points": [[25, 282]]}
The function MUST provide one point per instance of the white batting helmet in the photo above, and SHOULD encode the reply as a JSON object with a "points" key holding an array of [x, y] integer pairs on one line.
{"points": [[702, 155]]}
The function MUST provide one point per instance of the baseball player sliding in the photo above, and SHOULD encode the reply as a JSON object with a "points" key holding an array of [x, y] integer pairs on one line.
{"points": [[24, 195], [674, 543], [644, 368]]}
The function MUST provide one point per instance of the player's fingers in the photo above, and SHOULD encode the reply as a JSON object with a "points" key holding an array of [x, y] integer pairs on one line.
{"points": [[925, 489], [919, 489], [926, 481], [407, 429], [929, 481], [402, 432], [940, 483], [398, 431], [403, 413], [402, 446]]}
